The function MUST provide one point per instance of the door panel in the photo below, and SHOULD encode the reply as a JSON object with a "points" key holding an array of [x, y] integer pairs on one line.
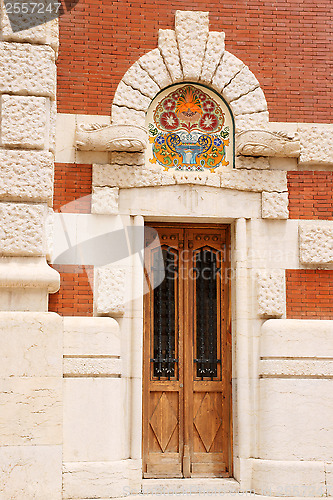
{"points": [[187, 354]]}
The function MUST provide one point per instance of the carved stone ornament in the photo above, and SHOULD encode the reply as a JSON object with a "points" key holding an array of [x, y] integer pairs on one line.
{"points": [[97, 137], [266, 143]]}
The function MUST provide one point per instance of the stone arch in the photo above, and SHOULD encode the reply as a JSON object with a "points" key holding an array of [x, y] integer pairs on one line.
{"points": [[190, 52]]}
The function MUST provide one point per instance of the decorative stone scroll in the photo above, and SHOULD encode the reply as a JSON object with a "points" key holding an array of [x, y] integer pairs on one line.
{"points": [[101, 137], [266, 143], [190, 129]]}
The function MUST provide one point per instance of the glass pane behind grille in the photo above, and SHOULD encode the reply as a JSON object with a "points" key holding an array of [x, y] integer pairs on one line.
{"points": [[206, 314], [164, 348]]}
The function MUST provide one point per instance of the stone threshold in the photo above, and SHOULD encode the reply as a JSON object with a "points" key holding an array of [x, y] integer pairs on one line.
{"points": [[189, 486]]}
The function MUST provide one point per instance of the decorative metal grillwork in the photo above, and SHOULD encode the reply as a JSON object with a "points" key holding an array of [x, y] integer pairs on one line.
{"points": [[206, 314], [164, 315]]}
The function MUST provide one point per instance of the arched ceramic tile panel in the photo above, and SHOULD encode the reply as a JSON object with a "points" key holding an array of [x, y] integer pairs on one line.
{"points": [[190, 53], [191, 129]]}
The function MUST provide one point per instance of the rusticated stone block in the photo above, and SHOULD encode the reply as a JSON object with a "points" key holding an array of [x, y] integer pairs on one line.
{"points": [[22, 229], [229, 66], [131, 98], [167, 43], [26, 175], [256, 163], [105, 200], [213, 54], [126, 116], [316, 144], [316, 243], [244, 82], [252, 120], [253, 102], [255, 180], [111, 290], [191, 29], [125, 176], [271, 293], [139, 79], [23, 121], [274, 205], [127, 158], [27, 69], [153, 63], [46, 33], [52, 126]]}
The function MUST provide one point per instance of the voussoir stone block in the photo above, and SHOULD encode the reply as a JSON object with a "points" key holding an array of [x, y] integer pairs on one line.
{"points": [[131, 98], [229, 66], [27, 69], [316, 243], [271, 293], [121, 115], [213, 54], [105, 200], [167, 43], [316, 144], [22, 229], [191, 29], [274, 205], [23, 121], [139, 79], [241, 84], [153, 63], [253, 102], [111, 290], [26, 175]]}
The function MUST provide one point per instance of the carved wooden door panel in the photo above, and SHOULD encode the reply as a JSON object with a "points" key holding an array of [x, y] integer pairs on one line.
{"points": [[187, 354]]}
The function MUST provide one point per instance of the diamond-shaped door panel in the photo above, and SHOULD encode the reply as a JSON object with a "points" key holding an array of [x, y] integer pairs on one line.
{"points": [[207, 421], [163, 421]]}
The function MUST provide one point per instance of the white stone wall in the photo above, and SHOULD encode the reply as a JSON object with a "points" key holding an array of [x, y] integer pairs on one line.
{"points": [[31, 405], [295, 408], [95, 456]]}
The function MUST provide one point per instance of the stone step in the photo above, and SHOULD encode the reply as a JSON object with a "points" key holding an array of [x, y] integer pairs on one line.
{"points": [[189, 486]]}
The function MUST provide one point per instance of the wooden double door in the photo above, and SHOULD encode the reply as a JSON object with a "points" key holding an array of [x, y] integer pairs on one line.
{"points": [[187, 353]]}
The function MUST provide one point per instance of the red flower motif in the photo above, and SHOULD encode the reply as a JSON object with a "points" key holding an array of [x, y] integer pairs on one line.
{"points": [[169, 120], [208, 106], [169, 104], [208, 122]]}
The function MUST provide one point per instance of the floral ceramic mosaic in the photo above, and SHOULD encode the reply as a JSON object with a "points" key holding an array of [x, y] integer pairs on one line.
{"points": [[190, 129]]}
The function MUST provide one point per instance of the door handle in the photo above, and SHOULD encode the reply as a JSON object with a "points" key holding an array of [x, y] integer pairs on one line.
{"points": [[181, 385]]}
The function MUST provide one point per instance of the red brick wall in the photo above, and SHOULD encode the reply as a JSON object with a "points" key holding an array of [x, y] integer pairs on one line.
{"points": [[310, 195], [287, 45], [309, 294], [72, 182], [75, 297]]}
